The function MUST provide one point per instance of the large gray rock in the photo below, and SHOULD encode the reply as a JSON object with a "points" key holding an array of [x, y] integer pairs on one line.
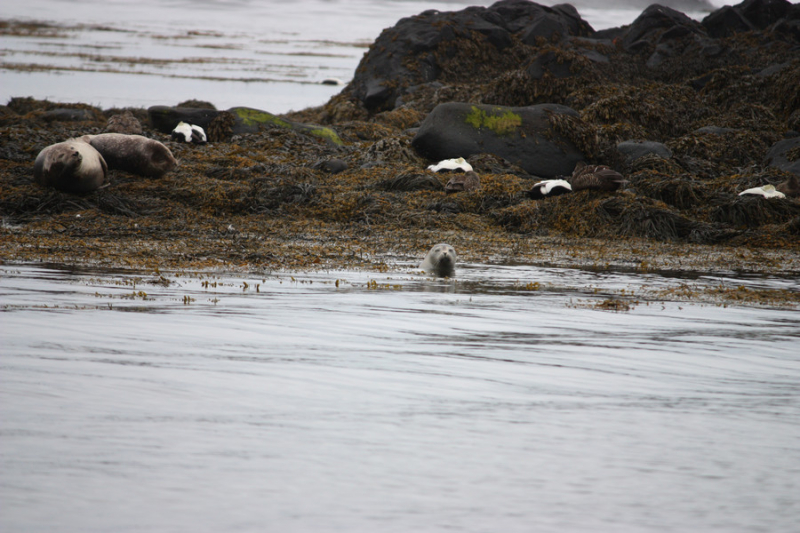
{"points": [[777, 156], [633, 150], [416, 49], [524, 136]]}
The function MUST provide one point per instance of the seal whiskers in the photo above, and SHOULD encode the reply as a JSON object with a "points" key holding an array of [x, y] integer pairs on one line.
{"points": [[440, 261]]}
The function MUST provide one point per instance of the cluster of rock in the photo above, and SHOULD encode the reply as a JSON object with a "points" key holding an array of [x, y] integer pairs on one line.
{"points": [[542, 89]]}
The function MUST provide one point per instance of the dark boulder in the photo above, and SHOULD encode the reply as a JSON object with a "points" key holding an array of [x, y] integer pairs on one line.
{"points": [[417, 50], [331, 166], [785, 155], [751, 15], [529, 137], [549, 27], [551, 63], [659, 24], [61, 114], [165, 118], [632, 150]]}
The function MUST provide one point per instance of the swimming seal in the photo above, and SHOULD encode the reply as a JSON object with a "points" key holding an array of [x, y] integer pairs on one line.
{"points": [[71, 166], [440, 261], [133, 153]]}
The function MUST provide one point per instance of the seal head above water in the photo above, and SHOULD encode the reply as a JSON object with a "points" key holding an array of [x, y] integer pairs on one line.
{"points": [[71, 166], [133, 153], [440, 261]]}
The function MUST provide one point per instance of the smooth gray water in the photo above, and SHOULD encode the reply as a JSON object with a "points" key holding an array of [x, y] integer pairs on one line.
{"points": [[363, 402]]}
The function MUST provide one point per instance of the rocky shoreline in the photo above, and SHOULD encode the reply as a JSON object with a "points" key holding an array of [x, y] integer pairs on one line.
{"points": [[690, 113]]}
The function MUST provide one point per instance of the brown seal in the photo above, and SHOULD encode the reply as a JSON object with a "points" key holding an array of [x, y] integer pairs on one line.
{"points": [[440, 261], [133, 153], [71, 166]]}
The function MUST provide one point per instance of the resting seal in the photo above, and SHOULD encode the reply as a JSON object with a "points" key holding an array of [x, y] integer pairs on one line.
{"points": [[440, 261], [71, 166], [133, 153]]}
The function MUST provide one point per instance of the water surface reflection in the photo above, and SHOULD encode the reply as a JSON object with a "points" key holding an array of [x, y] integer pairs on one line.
{"points": [[504, 400]]}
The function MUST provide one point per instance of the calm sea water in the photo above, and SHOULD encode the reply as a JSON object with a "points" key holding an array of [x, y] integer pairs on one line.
{"points": [[267, 54], [363, 402]]}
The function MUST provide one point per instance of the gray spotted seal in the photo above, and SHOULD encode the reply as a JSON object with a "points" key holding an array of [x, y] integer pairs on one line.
{"points": [[71, 166], [133, 153], [440, 261]]}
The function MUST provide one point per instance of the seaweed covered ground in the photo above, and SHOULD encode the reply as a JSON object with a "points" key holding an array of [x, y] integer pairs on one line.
{"points": [[263, 201]]}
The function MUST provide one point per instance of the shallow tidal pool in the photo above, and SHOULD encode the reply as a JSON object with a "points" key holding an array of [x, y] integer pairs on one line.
{"points": [[512, 398]]}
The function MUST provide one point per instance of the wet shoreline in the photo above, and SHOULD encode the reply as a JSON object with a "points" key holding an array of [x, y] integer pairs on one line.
{"points": [[260, 201]]}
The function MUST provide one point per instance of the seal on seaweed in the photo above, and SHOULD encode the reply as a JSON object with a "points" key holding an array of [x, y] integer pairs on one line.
{"points": [[463, 182], [71, 166], [440, 261], [133, 153]]}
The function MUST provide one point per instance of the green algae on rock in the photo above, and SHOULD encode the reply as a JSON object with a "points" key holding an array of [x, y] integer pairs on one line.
{"points": [[500, 120], [246, 120]]}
